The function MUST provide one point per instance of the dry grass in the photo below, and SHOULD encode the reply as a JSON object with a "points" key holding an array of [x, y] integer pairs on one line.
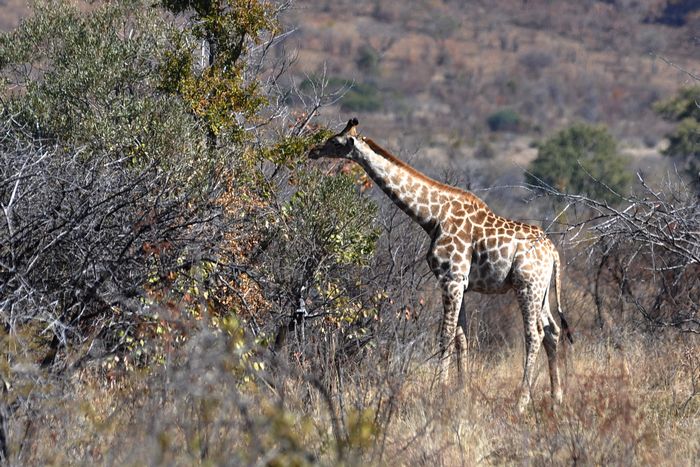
{"points": [[622, 406], [631, 403]]}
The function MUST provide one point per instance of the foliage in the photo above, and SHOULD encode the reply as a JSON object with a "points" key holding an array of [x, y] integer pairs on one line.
{"points": [[644, 257], [484, 151], [581, 159], [291, 151], [367, 59], [88, 243], [218, 93], [341, 230], [684, 144], [151, 244], [120, 210], [442, 26], [682, 106], [89, 79], [658, 229], [504, 120], [217, 96], [674, 13], [630, 401], [536, 61], [322, 239], [684, 140], [226, 25], [361, 98], [111, 209], [356, 97]]}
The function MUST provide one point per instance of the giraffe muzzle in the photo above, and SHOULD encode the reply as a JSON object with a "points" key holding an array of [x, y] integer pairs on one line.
{"points": [[314, 153]]}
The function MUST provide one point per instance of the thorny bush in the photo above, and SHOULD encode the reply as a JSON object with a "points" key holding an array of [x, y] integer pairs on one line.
{"points": [[647, 250], [81, 237]]}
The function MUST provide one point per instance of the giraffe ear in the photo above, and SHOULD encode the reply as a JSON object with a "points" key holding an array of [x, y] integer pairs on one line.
{"points": [[353, 126], [350, 128]]}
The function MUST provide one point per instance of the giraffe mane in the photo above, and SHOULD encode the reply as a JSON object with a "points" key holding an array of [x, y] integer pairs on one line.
{"points": [[442, 186]]}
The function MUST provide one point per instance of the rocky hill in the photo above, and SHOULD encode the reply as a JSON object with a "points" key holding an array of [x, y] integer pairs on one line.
{"points": [[430, 73]]}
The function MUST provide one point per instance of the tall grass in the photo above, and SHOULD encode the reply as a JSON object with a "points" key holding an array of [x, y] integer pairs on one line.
{"points": [[220, 401]]}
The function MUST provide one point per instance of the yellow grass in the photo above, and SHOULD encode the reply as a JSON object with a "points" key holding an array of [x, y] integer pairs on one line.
{"points": [[635, 402]]}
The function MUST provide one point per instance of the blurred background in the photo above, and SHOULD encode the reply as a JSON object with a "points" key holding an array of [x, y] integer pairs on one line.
{"points": [[489, 79]]}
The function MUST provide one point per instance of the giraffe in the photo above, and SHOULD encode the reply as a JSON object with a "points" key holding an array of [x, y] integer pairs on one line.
{"points": [[471, 249]]}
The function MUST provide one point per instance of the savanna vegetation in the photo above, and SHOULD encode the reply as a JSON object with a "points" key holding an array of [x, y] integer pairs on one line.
{"points": [[180, 285]]}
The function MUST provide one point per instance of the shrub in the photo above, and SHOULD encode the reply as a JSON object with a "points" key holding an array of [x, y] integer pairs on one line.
{"points": [[94, 244], [356, 97], [361, 98], [485, 151], [504, 120], [92, 85], [581, 159], [112, 199], [535, 61], [320, 242], [684, 140], [367, 59], [646, 255]]}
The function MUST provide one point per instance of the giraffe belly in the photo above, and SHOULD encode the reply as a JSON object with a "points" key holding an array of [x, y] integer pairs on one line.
{"points": [[490, 278]]}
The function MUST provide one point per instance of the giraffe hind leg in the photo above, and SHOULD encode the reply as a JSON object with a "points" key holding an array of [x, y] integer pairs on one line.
{"points": [[530, 306], [551, 342]]}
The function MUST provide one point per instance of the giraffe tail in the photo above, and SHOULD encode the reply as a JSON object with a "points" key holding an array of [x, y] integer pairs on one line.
{"points": [[557, 288]]}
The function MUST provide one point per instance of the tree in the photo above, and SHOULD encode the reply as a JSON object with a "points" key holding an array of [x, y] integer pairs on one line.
{"points": [[218, 93], [91, 80], [684, 140], [117, 202], [319, 255], [141, 193], [581, 159], [109, 202], [647, 255]]}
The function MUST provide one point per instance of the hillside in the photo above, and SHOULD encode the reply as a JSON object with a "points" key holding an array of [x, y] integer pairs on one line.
{"points": [[428, 73]]}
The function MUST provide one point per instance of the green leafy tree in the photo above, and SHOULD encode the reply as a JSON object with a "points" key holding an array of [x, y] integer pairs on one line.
{"points": [[150, 187], [581, 159], [367, 59], [361, 98], [90, 79], [684, 140], [218, 93]]}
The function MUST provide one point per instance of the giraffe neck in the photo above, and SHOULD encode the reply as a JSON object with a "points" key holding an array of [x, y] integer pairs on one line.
{"points": [[425, 200]]}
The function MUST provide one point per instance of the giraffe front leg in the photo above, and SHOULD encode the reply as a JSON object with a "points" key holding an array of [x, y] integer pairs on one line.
{"points": [[452, 292], [461, 341]]}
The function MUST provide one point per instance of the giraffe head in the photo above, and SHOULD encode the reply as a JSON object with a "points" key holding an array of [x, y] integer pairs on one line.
{"points": [[340, 145]]}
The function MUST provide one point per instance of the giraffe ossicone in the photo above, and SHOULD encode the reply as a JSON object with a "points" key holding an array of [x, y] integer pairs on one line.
{"points": [[471, 249]]}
